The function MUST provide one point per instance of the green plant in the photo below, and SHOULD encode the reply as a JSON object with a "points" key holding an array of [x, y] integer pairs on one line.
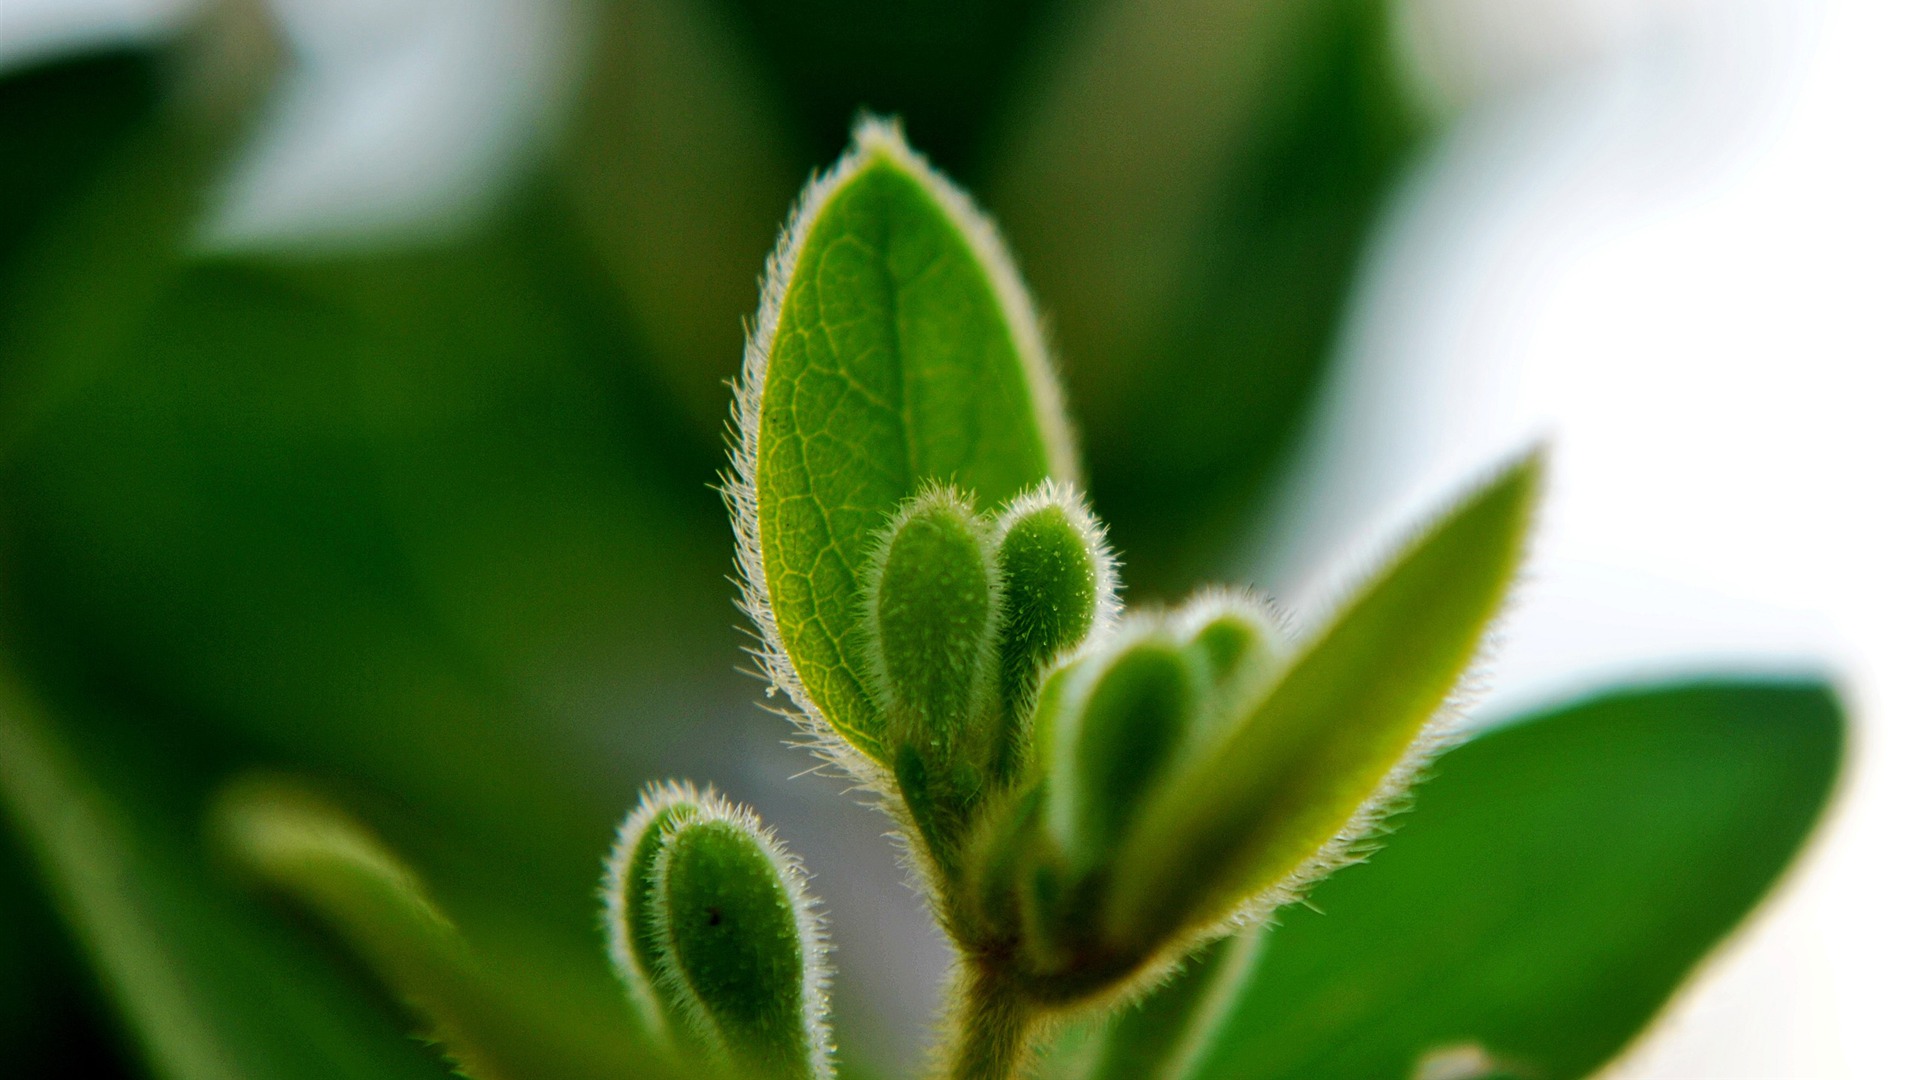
{"points": [[1087, 800], [1111, 815], [1102, 808]]}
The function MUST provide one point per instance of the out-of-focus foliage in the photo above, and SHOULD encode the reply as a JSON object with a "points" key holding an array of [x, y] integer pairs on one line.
{"points": [[1190, 190]]}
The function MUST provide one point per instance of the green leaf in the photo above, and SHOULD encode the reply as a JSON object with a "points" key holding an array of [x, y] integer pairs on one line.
{"points": [[1057, 583], [740, 946], [1272, 804], [209, 988], [308, 848], [679, 172], [1555, 883], [1167, 1035], [932, 603], [60, 124], [894, 347], [1121, 723], [627, 897]]}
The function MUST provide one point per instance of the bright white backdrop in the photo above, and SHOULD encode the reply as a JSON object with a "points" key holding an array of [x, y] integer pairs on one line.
{"points": [[1681, 242]]}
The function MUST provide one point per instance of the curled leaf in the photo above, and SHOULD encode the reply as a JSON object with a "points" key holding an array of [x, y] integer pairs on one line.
{"points": [[1121, 724], [626, 895]]}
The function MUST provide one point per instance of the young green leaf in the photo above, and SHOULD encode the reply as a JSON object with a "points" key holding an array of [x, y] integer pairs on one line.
{"points": [[894, 347], [932, 602], [1057, 585], [1278, 798], [722, 934], [1121, 724], [1231, 636], [1559, 879], [1235, 639]]}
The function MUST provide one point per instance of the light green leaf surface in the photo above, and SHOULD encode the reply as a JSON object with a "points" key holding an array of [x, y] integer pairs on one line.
{"points": [[1335, 734], [1556, 881], [894, 346], [930, 634]]}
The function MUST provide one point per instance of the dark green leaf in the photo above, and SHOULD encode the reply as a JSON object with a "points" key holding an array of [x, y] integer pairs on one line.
{"points": [[679, 174], [1191, 191], [1553, 885], [60, 124]]}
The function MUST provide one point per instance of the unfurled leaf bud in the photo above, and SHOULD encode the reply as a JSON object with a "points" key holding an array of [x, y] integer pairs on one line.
{"points": [[1120, 724], [931, 629], [710, 923], [1230, 635], [1234, 640], [1056, 585]]}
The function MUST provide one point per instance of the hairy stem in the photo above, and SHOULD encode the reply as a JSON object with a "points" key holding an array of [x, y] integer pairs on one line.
{"points": [[992, 1027]]}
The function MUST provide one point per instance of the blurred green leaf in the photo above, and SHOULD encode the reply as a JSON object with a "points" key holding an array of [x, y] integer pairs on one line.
{"points": [[60, 124], [1190, 187], [210, 989], [418, 518], [679, 172], [1556, 882], [388, 513], [895, 348], [309, 848], [947, 67]]}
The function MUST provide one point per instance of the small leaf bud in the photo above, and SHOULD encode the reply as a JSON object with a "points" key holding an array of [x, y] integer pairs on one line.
{"points": [[1056, 585], [722, 934], [932, 610], [1115, 738]]}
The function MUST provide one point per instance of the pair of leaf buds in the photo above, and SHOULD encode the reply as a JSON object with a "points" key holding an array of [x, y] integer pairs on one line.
{"points": [[1089, 798]]}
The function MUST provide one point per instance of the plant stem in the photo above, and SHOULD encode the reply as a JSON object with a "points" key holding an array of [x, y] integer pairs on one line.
{"points": [[991, 1028]]}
